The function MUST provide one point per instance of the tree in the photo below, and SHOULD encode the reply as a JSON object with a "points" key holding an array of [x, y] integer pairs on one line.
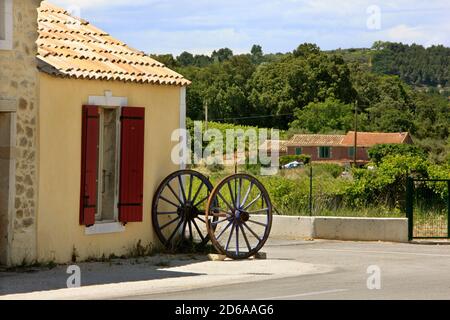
{"points": [[185, 59], [222, 55], [306, 49], [323, 117], [413, 63], [281, 87], [378, 152], [167, 59], [257, 53]]}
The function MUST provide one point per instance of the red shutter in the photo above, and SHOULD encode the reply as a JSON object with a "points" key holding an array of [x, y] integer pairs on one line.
{"points": [[131, 192], [89, 164]]}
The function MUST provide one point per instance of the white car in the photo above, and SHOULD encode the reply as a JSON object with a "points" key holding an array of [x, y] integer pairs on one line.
{"points": [[292, 165]]}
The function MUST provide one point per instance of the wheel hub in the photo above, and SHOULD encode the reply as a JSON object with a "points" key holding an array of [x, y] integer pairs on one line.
{"points": [[242, 216], [188, 211]]}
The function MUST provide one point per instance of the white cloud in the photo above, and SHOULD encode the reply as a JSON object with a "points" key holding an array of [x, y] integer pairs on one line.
{"points": [[194, 41], [98, 3], [278, 25]]}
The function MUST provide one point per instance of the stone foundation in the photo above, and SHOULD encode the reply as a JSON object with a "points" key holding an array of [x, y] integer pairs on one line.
{"points": [[19, 83]]}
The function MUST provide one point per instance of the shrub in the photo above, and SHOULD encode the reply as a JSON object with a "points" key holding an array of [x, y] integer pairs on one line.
{"points": [[300, 158], [215, 166], [380, 151], [388, 181], [335, 170]]}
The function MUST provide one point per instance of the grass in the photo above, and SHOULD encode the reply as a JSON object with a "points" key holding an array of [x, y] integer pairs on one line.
{"points": [[289, 191]]}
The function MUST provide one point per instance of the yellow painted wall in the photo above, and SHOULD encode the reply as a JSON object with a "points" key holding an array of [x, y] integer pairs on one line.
{"points": [[59, 144]]}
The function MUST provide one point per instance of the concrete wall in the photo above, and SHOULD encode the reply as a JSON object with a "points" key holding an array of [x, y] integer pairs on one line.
{"points": [[287, 227], [361, 229], [60, 112], [340, 228], [19, 88]]}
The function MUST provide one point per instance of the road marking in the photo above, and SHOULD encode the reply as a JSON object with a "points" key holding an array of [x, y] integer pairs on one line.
{"points": [[306, 294], [387, 252]]}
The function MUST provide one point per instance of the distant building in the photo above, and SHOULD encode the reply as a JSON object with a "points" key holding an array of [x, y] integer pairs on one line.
{"points": [[340, 148], [270, 145]]}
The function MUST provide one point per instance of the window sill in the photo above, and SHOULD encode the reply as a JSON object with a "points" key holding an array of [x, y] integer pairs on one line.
{"points": [[104, 228]]}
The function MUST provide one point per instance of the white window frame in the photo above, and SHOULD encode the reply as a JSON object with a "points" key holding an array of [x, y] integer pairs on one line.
{"points": [[109, 101], [6, 43]]}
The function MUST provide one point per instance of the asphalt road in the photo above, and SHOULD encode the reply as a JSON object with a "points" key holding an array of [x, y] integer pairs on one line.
{"points": [[407, 271]]}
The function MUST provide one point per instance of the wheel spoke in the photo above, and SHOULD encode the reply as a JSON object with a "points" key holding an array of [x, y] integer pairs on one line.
{"points": [[198, 192], [257, 211], [238, 195], [168, 201], [246, 239], [219, 221], [169, 223], [201, 220], [203, 200], [247, 194], [231, 193], [191, 178], [180, 181], [174, 193], [258, 223], [166, 212], [252, 232], [175, 231], [183, 235], [253, 201], [229, 238], [223, 231], [224, 200], [191, 235], [198, 230], [237, 239]]}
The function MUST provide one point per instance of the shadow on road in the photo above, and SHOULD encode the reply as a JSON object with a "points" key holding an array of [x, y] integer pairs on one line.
{"points": [[31, 279]]}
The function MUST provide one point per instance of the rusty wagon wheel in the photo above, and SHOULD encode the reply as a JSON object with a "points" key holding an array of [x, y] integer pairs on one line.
{"points": [[244, 211], [178, 210]]}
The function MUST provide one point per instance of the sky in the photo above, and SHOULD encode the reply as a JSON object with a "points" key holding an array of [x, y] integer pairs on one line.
{"points": [[201, 26]]}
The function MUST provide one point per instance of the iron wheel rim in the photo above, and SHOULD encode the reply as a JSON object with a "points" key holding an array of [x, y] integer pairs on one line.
{"points": [[184, 213], [240, 217]]}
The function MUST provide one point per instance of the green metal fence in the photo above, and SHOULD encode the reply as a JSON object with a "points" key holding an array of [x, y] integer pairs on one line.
{"points": [[428, 208]]}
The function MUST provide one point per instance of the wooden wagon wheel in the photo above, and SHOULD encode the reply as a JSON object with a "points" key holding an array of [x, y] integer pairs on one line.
{"points": [[178, 210], [239, 216]]}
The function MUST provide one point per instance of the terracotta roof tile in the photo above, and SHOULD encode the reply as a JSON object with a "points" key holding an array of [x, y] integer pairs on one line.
{"points": [[268, 144], [368, 139], [72, 47], [315, 140]]}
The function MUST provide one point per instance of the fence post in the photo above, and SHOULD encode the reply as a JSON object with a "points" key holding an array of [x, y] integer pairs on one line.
{"points": [[410, 206], [310, 190]]}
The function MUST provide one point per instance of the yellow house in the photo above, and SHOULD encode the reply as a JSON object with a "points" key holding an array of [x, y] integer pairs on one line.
{"points": [[105, 118]]}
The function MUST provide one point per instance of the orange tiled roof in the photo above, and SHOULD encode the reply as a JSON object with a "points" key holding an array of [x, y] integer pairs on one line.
{"points": [[368, 139], [269, 144], [315, 140], [72, 47]]}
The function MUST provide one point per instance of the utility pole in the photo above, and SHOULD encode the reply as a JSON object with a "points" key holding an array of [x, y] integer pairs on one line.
{"points": [[206, 115], [355, 146]]}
